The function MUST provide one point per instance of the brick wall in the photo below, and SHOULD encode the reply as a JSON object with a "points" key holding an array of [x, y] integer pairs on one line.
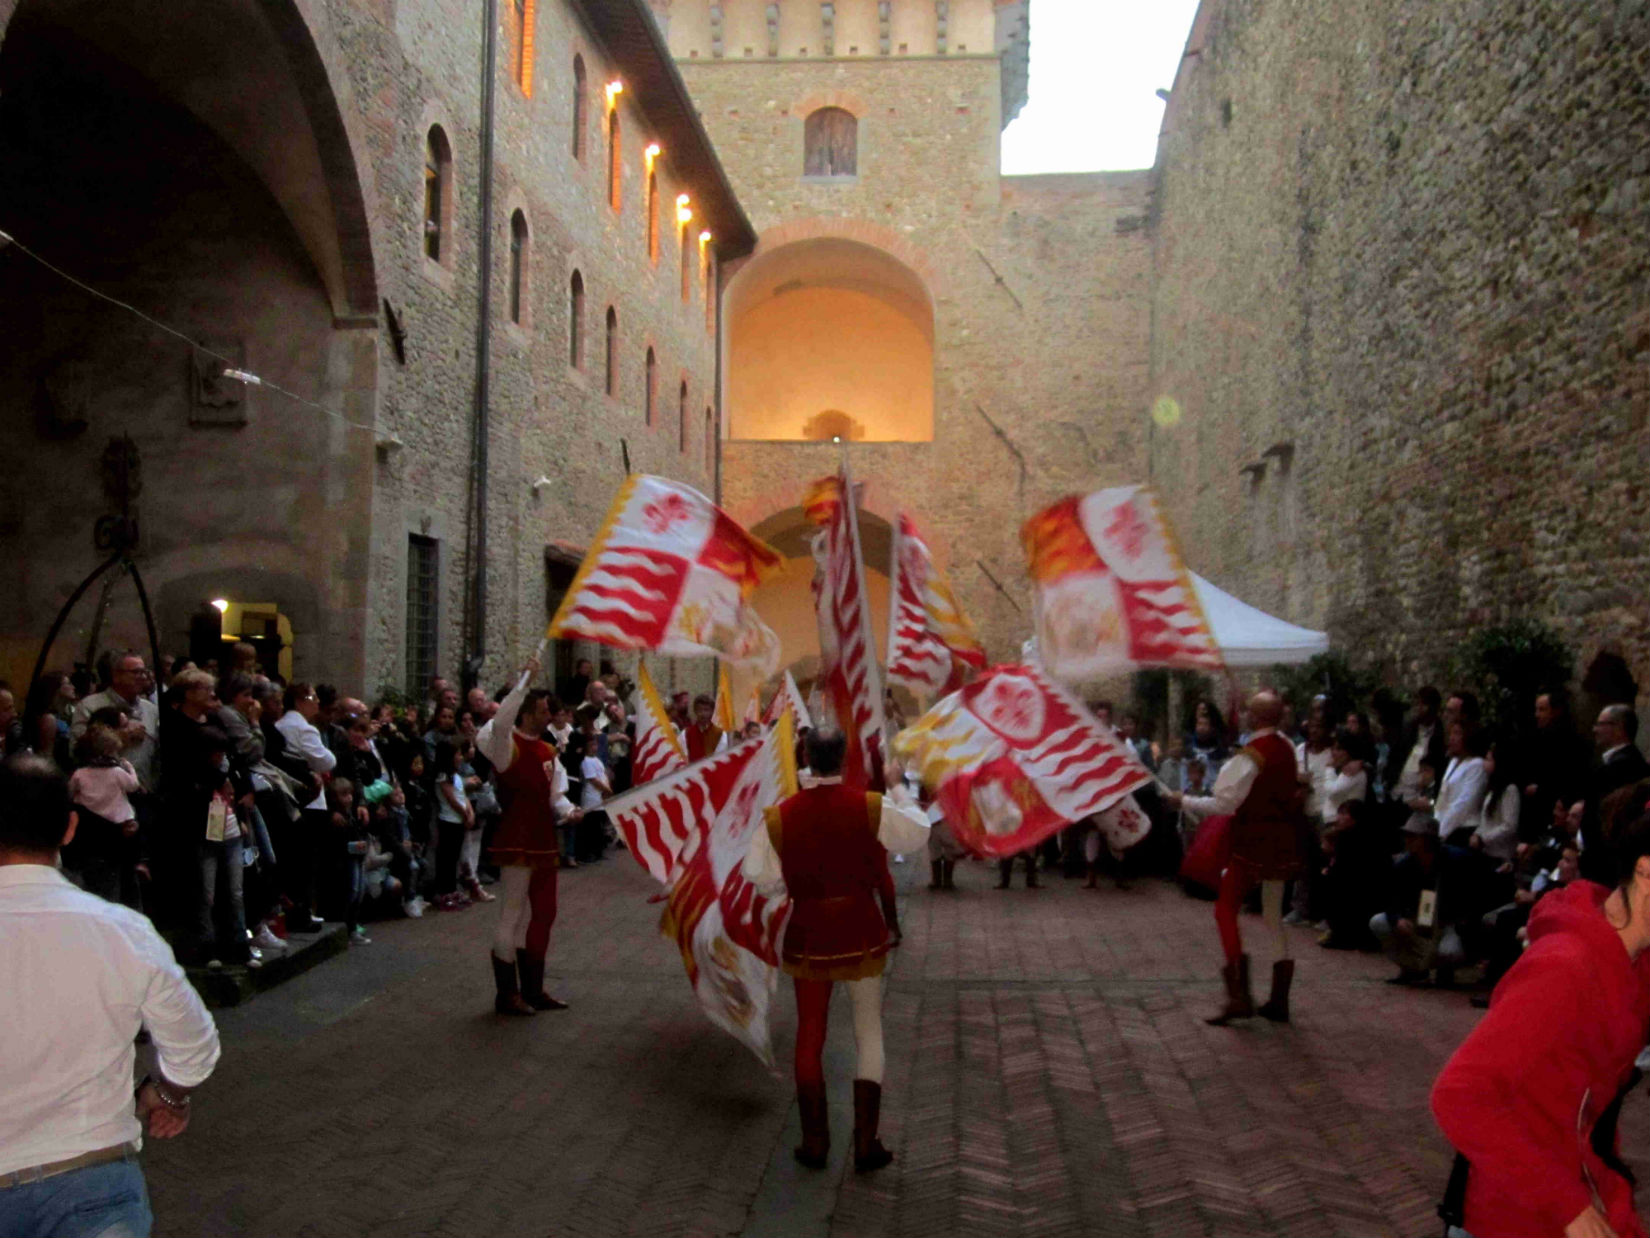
{"points": [[1409, 241]]}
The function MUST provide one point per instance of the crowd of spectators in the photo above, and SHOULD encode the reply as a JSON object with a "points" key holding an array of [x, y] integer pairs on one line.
{"points": [[237, 810]]}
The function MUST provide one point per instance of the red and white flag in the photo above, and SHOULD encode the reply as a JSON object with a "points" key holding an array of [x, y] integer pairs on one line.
{"points": [[1110, 590], [695, 826], [659, 749], [671, 572], [930, 640], [789, 697], [1014, 757], [849, 674]]}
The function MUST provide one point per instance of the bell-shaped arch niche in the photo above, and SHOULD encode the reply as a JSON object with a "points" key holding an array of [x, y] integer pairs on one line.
{"points": [[830, 338]]}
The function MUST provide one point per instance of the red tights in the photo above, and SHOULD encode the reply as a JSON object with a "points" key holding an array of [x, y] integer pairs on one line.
{"points": [[541, 897], [813, 1005], [1235, 885]]}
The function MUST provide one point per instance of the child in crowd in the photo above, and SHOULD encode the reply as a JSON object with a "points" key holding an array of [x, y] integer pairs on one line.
{"points": [[469, 853], [572, 758], [350, 838], [104, 851], [454, 817]]}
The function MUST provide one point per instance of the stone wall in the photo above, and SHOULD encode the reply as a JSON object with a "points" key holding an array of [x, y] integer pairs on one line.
{"points": [[1038, 287], [1398, 308]]}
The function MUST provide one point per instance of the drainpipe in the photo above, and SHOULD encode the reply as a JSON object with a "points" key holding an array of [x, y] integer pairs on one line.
{"points": [[484, 338], [717, 421]]}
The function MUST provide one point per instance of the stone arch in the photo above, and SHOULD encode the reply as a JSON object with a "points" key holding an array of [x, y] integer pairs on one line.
{"points": [[850, 228], [829, 323], [844, 99]]}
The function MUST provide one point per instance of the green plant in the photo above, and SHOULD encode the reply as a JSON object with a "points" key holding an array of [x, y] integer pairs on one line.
{"points": [[1509, 666], [1328, 674]]}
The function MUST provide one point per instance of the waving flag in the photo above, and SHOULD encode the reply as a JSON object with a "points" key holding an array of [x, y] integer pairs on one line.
{"points": [[669, 571], [789, 695], [658, 748], [930, 640], [722, 718], [691, 830], [848, 655], [1110, 589], [1014, 757]]}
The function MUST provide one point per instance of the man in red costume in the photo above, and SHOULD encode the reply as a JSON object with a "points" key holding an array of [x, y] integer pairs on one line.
{"points": [[1260, 789], [532, 787], [830, 844], [703, 737]]}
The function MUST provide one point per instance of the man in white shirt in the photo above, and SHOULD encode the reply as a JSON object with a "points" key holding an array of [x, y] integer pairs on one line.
{"points": [[70, 1130], [297, 727], [127, 679]]}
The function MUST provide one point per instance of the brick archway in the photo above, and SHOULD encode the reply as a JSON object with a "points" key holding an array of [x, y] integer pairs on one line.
{"points": [[850, 228]]}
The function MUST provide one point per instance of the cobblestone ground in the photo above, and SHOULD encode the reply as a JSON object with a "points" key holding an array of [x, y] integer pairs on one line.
{"points": [[1048, 1073]]}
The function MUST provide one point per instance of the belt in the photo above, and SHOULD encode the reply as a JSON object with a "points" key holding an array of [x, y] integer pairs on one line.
{"points": [[103, 1156]]}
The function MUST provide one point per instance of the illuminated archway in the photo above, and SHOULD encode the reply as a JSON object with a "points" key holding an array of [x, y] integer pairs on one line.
{"points": [[830, 326]]}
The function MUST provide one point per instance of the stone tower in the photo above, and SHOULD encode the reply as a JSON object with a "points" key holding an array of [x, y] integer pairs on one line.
{"points": [[978, 342]]}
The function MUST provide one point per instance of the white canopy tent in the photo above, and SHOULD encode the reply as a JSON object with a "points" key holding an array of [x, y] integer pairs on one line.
{"points": [[1248, 636]]}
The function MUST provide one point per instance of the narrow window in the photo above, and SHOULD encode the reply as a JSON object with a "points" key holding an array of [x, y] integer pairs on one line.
{"points": [[581, 119], [575, 321], [612, 351], [525, 10], [438, 170], [687, 264], [652, 215], [682, 419], [830, 139], [652, 385], [615, 169], [710, 289], [710, 442], [518, 267], [423, 592]]}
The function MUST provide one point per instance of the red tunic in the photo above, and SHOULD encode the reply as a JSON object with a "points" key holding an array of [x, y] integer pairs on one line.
{"points": [[1268, 828], [833, 864], [527, 834], [701, 741]]}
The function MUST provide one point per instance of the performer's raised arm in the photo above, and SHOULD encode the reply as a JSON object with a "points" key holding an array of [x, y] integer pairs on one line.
{"points": [[493, 740]]}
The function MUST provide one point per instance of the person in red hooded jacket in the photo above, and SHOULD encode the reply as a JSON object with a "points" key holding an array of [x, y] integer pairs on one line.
{"points": [[1522, 1098]]}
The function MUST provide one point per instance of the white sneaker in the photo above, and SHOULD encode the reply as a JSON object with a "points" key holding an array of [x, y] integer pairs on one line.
{"points": [[255, 957], [263, 939], [414, 907], [1294, 919], [358, 937]]}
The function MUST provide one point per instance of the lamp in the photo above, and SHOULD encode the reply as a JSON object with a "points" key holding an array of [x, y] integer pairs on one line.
{"points": [[683, 212], [615, 88], [221, 604]]}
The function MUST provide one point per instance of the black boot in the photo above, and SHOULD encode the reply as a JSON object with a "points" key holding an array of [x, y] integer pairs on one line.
{"points": [[816, 1127], [869, 1154], [950, 874], [937, 869], [1277, 1005], [532, 983], [1005, 871], [1239, 1005], [509, 1000]]}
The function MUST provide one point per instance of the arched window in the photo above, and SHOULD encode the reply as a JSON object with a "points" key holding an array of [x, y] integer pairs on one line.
{"points": [[687, 264], [575, 321], [612, 351], [519, 254], [438, 193], [710, 442], [652, 215], [525, 9], [615, 169], [581, 116], [830, 139], [681, 419], [652, 385]]}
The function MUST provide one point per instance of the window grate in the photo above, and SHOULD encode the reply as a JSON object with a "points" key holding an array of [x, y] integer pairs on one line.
{"points": [[423, 590]]}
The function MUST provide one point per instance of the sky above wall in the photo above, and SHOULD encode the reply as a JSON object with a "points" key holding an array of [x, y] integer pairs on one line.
{"points": [[1096, 66]]}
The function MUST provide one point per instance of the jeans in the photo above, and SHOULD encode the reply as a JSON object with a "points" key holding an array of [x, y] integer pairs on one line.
{"points": [[101, 1201], [222, 924]]}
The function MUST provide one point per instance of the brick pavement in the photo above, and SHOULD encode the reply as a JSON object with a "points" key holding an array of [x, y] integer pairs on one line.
{"points": [[1048, 1073]]}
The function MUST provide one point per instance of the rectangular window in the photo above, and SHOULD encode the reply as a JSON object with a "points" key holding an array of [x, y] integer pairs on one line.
{"points": [[525, 10], [423, 592]]}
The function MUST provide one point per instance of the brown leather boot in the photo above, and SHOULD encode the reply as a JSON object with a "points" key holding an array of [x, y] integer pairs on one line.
{"points": [[1277, 1005], [1239, 1005], [816, 1127], [869, 1154], [509, 999], [532, 983]]}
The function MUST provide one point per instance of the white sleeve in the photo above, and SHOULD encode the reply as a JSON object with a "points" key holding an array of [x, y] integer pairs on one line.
{"points": [[185, 1038], [558, 793], [307, 740], [1494, 830], [903, 827], [493, 740], [1466, 799], [761, 866], [1237, 775]]}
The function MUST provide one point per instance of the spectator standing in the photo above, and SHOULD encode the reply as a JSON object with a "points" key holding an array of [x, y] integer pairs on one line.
{"points": [[300, 707], [1423, 740], [1208, 740], [573, 688], [1532, 1097], [70, 1131], [1621, 764], [106, 843], [11, 725], [453, 817], [1461, 790], [443, 726], [128, 679], [1554, 765], [596, 786]]}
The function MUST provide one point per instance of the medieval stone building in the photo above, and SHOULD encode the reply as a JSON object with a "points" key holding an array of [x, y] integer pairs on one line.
{"points": [[1374, 324]]}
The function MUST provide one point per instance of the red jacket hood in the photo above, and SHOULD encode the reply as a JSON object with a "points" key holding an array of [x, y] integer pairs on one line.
{"points": [[1578, 910]]}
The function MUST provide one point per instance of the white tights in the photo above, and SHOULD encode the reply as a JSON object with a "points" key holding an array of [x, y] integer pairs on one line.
{"points": [[866, 996], [469, 853], [515, 912]]}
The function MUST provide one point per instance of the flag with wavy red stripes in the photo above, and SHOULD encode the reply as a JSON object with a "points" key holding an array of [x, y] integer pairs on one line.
{"points": [[671, 572], [658, 749], [691, 829], [1109, 588], [850, 676], [930, 639], [1014, 757]]}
